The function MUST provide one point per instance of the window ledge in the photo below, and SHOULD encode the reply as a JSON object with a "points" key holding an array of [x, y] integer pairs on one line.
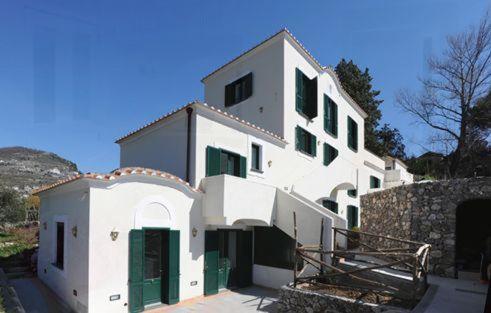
{"points": [[353, 149], [56, 266], [331, 134], [305, 154], [256, 171]]}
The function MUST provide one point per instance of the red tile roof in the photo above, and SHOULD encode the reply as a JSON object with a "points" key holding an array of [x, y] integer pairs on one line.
{"points": [[206, 106], [126, 171]]}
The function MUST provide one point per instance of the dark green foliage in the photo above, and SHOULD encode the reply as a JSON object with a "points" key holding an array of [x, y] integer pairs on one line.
{"points": [[12, 207], [391, 142], [358, 84]]}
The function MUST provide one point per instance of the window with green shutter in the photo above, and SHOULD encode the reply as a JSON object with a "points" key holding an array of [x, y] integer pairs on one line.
{"points": [[374, 182], [352, 193], [352, 216], [305, 141], [239, 90], [219, 161], [352, 134], [330, 116], [331, 205], [305, 95], [330, 153]]}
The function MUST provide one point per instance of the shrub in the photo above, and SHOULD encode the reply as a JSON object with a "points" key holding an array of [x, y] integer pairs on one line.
{"points": [[12, 207]]}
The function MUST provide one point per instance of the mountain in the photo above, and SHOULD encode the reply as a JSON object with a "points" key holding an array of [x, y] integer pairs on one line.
{"points": [[25, 169]]}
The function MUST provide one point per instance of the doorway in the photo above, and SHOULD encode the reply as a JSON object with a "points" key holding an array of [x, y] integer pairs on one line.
{"points": [[153, 267], [473, 233], [228, 260]]}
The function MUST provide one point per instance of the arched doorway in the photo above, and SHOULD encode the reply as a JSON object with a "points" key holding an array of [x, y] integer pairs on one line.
{"points": [[473, 227]]}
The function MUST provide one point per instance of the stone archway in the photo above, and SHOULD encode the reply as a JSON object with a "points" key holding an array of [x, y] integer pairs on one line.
{"points": [[425, 212]]}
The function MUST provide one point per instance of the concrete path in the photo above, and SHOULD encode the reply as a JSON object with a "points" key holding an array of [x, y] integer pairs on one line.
{"points": [[251, 299], [36, 297], [453, 296]]}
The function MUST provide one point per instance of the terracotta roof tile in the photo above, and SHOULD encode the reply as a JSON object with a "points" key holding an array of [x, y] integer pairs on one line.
{"points": [[116, 174]]}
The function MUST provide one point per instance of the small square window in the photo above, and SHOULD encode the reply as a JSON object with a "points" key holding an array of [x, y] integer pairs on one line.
{"points": [[256, 157]]}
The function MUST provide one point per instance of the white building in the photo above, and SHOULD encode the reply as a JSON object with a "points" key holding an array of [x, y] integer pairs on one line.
{"points": [[205, 196]]}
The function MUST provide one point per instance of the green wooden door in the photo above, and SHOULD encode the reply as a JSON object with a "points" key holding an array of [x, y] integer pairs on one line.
{"points": [[152, 266], [135, 271], [211, 262], [352, 216], [244, 258], [171, 272]]}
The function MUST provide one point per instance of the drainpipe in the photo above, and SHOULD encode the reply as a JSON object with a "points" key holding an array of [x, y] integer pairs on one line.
{"points": [[189, 111]]}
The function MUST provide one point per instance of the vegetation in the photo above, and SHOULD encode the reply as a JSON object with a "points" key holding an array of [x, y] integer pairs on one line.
{"points": [[12, 206], [382, 141], [455, 102], [18, 240]]}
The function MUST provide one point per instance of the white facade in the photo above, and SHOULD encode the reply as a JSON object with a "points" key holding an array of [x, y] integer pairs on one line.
{"points": [[286, 181]]}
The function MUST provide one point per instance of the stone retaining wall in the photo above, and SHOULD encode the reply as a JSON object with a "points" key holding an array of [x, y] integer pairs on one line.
{"points": [[298, 300], [423, 212]]}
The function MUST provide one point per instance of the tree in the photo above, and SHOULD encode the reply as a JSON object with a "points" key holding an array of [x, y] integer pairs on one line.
{"points": [[447, 103], [357, 83], [11, 206], [391, 142]]}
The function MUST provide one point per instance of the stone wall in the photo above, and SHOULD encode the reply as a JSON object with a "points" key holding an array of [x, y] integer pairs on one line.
{"points": [[298, 300], [423, 212]]}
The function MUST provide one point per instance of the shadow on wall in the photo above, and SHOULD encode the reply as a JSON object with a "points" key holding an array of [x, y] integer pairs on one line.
{"points": [[473, 231]]}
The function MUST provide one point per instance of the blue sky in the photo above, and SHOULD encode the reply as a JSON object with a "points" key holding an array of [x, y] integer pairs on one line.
{"points": [[76, 75]]}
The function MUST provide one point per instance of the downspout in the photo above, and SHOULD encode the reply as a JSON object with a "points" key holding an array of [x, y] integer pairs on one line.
{"points": [[189, 111]]}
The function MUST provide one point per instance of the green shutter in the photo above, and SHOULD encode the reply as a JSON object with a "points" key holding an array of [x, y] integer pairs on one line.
{"points": [[310, 108], [330, 153], [355, 135], [243, 167], [326, 154], [299, 90], [352, 134], [326, 113], [212, 161], [313, 142], [334, 118], [170, 286], [352, 216], [298, 137], [352, 193], [211, 262], [135, 271]]}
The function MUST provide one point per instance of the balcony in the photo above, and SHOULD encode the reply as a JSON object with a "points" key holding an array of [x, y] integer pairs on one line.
{"points": [[230, 200]]}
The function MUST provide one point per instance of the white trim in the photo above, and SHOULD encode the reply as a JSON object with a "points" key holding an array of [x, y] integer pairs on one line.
{"points": [[167, 210]]}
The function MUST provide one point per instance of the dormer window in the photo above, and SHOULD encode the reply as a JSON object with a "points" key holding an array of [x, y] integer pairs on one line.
{"points": [[239, 90], [305, 95]]}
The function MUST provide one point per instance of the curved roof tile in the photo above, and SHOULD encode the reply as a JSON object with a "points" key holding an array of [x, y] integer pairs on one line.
{"points": [[126, 171]]}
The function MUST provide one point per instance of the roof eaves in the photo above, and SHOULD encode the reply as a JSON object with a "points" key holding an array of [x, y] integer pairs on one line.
{"points": [[126, 171]]}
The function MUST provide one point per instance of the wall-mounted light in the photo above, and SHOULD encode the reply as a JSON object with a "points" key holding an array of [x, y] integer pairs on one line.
{"points": [[114, 234], [194, 232], [270, 163], [74, 231]]}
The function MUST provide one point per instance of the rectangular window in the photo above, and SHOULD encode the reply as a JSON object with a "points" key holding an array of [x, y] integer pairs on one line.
{"points": [[352, 216], [330, 153], [352, 193], [331, 205], [374, 182], [256, 157], [60, 244], [305, 95], [219, 161], [330, 116], [352, 134], [273, 247], [305, 141], [239, 90]]}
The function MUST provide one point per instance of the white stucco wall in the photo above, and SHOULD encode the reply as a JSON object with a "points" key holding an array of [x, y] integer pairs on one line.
{"points": [[121, 207], [161, 147], [266, 64], [68, 204]]}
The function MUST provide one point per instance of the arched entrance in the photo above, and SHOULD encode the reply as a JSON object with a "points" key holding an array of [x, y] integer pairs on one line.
{"points": [[473, 227]]}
